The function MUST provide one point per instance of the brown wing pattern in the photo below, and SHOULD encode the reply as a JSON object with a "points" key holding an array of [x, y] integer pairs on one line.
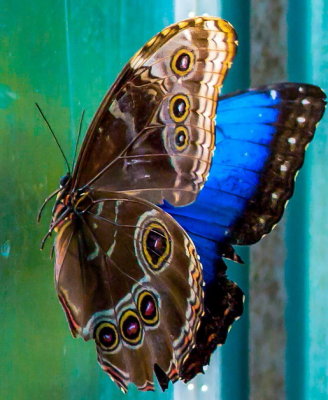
{"points": [[153, 134], [129, 277]]}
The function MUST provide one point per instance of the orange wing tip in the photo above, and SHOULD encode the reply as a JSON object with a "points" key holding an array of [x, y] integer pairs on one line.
{"points": [[182, 24], [173, 374], [147, 387], [114, 376], [74, 327]]}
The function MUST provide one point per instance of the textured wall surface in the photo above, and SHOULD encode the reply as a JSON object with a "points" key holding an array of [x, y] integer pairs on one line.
{"points": [[268, 41], [267, 294]]}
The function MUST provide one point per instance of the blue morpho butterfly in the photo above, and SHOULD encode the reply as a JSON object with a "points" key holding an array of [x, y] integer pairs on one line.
{"points": [[128, 273]]}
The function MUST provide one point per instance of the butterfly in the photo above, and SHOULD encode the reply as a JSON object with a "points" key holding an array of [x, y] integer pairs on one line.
{"points": [[169, 177]]}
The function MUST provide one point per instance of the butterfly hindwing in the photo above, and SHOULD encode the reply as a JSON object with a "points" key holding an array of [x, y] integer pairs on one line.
{"points": [[129, 277], [153, 134]]}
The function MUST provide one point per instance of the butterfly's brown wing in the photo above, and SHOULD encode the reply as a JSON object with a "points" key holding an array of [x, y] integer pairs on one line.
{"points": [[128, 276], [153, 134]]}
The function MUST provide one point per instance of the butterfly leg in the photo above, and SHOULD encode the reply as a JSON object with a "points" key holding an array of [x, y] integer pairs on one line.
{"points": [[46, 202]]}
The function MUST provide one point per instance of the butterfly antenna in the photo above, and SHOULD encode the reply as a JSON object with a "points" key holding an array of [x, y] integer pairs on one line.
{"points": [[78, 139], [54, 136], [52, 253]]}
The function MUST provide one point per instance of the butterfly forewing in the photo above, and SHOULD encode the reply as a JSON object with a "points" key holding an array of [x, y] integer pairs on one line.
{"points": [[153, 134]]}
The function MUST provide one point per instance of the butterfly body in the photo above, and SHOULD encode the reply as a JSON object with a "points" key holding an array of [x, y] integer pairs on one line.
{"points": [[150, 201]]}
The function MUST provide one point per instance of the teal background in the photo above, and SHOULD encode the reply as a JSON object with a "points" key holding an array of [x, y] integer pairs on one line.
{"points": [[307, 218], [64, 55]]}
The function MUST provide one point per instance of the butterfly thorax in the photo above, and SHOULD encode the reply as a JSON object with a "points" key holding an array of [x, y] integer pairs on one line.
{"points": [[70, 203]]}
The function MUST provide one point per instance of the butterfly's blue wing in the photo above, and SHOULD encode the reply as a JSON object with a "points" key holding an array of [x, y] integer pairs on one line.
{"points": [[261, 136]]}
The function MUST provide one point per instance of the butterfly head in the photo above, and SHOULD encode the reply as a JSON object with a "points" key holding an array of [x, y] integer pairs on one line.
{"points": [[62, 208], [64, 180]]}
